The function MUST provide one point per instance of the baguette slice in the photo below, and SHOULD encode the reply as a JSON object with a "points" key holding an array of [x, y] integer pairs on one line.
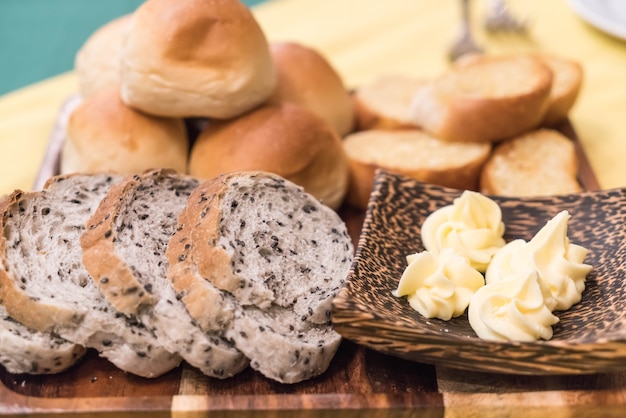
{"points": [[485, 98], [566, 85], [44, 285], [385, 103], [538, 163], [413, 153], [124, 251], [275, 251]]}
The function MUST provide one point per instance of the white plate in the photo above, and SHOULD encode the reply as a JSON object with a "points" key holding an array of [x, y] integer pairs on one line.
{"points": [[607, 15]]}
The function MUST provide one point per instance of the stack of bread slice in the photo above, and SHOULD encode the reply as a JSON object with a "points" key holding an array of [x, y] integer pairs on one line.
{"points": [[460, 128], [159, 267]]}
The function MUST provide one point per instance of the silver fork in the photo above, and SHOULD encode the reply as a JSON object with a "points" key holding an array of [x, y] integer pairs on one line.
{"points": [[500, 19], [465, 43]]}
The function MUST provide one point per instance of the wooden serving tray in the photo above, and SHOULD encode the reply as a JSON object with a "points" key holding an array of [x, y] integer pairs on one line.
{"points": [[358, 380]]}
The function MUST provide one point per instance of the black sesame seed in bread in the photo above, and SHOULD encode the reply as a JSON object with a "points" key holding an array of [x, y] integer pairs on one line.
{"points": [[279, 254], [24, 350], [124, 251], [44, 285]]}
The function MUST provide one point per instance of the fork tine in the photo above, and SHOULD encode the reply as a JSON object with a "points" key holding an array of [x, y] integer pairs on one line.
{"points": [[500, 19]]}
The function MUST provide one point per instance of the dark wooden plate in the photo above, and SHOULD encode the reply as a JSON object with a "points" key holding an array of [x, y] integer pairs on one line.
{"points": [[589, 338]]}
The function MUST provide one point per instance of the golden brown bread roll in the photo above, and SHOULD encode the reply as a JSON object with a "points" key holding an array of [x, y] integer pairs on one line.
{"points": [[285, 139], [97, 62], [537, 163], [204, 58], [103, 134], [413, 153], [485, 98], [305, 77]]}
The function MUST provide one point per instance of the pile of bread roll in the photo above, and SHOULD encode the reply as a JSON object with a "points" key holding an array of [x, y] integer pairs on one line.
{"points": [[194, 85]]}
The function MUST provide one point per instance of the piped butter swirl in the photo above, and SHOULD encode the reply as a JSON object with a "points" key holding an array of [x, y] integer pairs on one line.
{"points": [[439, 286], [558, 263], [513, 309], [472, 226]]}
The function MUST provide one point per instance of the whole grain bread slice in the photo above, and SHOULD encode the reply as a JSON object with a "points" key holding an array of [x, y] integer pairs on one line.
{"points": [[278, 255], [24, 350], [124, 251], [45, 286]]}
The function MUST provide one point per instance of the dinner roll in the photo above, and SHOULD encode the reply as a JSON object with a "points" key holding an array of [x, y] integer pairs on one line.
{"points": [[285, 139], [203, 58], [306, 77], [485, 99], [103, 134], [97, 62], [413, 153]]}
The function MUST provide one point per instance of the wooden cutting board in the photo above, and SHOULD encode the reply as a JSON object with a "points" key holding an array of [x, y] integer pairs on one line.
{"points": [[358, 379]]}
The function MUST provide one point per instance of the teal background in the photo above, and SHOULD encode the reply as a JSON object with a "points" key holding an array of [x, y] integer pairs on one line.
{"points": [[39, 38]]}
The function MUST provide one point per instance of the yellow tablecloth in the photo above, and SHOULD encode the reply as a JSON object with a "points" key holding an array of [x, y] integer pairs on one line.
{"points": [[365, 38]]}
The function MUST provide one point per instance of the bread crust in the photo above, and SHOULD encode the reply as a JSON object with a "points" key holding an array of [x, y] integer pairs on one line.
{"points": [[566, 85], [485, 99], [541, 162], [104, 134], [33, 314], [110, 272], [205, 303], [285, 139], [412, 153], [305, 77], [196, 58]]}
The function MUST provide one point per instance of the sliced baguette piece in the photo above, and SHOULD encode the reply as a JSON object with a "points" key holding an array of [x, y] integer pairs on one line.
{"points": [[124, 251], [486, 98], [413, 153], [279, 254], [538, 163], [566, 85], [44, 285], [385, 103], [24, 350]]}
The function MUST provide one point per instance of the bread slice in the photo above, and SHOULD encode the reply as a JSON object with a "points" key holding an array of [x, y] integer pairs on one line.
{"points": [[541, 162], [279, 254], [44, 285], [124, 251], [566, 85], [413, 153], [24, 350], [485, 99], [385, 103]]}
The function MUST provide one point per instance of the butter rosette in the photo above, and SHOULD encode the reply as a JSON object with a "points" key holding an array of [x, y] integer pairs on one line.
{"points": [[558, 262], [472, 226], [439, 285], [513, 309]]}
